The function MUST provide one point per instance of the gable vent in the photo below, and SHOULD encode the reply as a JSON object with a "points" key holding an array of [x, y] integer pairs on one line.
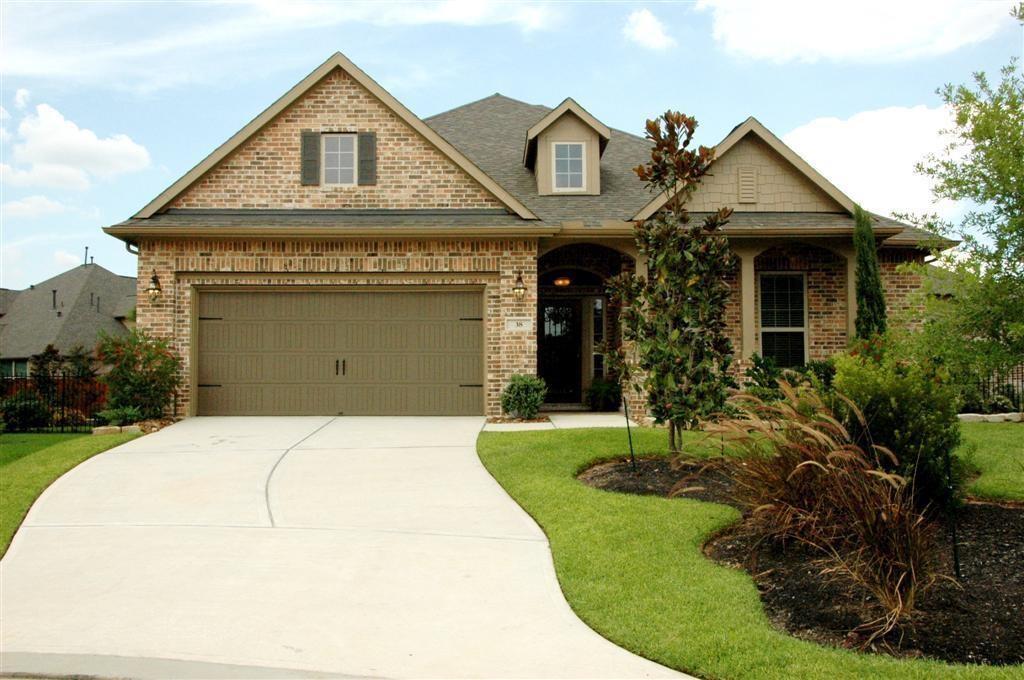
{"points": [[747, 184]]}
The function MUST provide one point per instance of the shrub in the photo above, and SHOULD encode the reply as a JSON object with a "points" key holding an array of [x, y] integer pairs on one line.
{"points": [[144, 373], [25, 410], [121, 415], [802, 477], [69, 417], [910, 408], [763, 377], [604, 395], [523, 396], [822, 372]]}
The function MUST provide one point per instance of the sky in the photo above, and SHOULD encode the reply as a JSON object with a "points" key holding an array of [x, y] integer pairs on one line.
{"points": [[105, 104]]}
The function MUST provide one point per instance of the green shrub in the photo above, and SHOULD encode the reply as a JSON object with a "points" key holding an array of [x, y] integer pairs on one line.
{"points": [[523, 396], [604, 395], [822, 372], [909, 408], [25, 410], [763, 377], [121, 415], [144, 372]]}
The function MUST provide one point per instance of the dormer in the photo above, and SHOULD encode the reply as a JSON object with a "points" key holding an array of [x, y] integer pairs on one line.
{"points": [[564, 148]]}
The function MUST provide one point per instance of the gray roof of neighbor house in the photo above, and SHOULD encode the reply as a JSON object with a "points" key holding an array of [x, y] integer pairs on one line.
{"points": [[89, 298]]}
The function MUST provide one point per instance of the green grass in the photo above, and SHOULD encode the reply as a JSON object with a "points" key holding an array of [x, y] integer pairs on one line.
{"points": [[997, 451], [30, 462], [632, 568]]}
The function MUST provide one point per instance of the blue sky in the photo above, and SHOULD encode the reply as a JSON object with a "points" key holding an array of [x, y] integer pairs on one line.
{"points": [[105, 104]]}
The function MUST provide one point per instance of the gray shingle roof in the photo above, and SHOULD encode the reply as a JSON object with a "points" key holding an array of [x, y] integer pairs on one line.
{"points": [[491, 132], [89, 299]]}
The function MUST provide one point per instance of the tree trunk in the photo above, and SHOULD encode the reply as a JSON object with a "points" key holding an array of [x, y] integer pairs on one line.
{"points": [[671, 436]]}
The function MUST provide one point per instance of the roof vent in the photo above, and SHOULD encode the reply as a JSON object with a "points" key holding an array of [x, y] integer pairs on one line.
{"points": [[747, 184]]}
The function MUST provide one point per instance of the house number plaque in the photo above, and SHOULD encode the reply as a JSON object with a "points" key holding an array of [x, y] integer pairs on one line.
{"points": [[519, 324]]}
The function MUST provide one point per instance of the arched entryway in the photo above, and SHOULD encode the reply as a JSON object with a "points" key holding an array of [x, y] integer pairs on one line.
{"points": [[575, 318]]}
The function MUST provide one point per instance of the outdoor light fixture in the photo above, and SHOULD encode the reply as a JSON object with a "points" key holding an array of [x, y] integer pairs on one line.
{"points": [[519, 289], [154, 291], [563, 281]]}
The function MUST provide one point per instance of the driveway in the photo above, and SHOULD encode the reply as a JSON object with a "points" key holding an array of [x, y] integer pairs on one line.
{"points": [[292, 547]]}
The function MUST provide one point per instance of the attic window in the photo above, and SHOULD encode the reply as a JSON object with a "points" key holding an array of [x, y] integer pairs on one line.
{"points": [[339, 159], [568, 158]]}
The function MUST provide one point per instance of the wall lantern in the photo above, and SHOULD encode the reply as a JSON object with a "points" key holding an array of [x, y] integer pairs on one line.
{"points": [[519, 289], [563, 281], [154, 291]]}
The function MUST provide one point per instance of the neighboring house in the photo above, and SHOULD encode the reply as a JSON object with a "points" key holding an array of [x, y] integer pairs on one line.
{"points": [[66, 311], [341, 255]]}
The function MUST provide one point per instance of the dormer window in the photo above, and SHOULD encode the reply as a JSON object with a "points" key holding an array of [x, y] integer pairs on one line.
{"points": [[339, 154], [569, 161]]}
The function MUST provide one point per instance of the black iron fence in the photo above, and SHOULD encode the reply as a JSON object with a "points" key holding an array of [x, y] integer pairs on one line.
{"points": [[51, 403], [999, 394]]}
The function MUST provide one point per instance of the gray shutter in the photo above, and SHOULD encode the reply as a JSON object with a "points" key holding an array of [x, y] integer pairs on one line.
{"points": [[367, 158], [310, 158]]}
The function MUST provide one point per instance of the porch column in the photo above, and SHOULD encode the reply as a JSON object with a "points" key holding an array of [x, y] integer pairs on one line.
{"points": [[850, 255], [747, 299]]}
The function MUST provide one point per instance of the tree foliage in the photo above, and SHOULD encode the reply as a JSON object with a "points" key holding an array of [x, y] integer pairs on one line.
{"points": [[675, 315], [144, 372], [870, 298]]}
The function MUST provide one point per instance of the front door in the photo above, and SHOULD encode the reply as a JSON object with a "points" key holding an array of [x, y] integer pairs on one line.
{"points": [[560, 343]]}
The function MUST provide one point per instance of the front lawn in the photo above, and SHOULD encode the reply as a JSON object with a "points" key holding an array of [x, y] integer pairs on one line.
{"points": [[632, 567], [998, 453], [30, 462]]}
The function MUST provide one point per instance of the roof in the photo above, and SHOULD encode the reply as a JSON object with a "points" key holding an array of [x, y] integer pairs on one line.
{"points": [[491, 132], [752, 126], [90, 299], [337, 60], [568, 106], [7, 298]]}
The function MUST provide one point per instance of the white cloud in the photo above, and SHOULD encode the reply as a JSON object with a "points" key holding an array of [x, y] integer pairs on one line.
{"points": [[21, 97], [646, 30], [866, 31], [31, 206], [66, 260], [5, 136], [871, 155], [53, 151], [208, 41], [4, 114]]}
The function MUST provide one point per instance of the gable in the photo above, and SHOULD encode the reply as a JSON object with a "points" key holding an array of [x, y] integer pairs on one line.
{"points": [[263, 171], [751, 176]]}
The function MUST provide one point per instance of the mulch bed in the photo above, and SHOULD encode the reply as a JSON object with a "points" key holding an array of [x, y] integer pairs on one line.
{"points": [[980, 620], [510, 419]]}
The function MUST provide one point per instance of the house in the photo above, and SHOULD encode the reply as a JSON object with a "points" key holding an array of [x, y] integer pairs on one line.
{"points": [[66, 311], [340, 255]]}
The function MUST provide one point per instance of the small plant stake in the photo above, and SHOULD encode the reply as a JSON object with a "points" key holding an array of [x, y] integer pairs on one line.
{"points": [[952, 517], [629, 434]]}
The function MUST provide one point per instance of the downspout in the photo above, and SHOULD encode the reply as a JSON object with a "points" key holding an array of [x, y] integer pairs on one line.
{"points": [[128, 245]]}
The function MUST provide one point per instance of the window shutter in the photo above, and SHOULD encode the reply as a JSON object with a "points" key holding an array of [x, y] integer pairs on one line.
{"points": [[367, 158], [310, 158]]}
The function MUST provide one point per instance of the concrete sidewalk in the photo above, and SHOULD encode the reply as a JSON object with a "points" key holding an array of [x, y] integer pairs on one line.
{"points": [[278, 547]]}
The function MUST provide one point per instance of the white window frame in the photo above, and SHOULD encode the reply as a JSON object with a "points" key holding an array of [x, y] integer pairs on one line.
{"points": [[323, 159], [583, 179], [805, 329]]}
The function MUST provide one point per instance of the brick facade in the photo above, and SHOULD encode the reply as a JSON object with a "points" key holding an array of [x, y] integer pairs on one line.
{"points": [[899, 285], [264, 171], [185, 266]]}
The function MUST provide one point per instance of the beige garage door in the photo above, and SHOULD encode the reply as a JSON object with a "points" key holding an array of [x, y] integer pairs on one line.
{"points": [[340, 352]]}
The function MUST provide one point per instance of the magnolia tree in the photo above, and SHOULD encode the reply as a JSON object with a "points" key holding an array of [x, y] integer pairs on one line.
{"points": [[674, 317]]}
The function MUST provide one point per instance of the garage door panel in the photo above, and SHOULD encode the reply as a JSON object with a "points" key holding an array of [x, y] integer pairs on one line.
{"points": [[274, 352]]}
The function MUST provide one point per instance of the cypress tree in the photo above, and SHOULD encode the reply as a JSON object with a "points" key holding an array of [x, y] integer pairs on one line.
{"points": [[870, 297]]}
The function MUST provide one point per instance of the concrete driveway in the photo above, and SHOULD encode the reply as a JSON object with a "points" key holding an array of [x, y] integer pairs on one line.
{"points": [[292, 547]]}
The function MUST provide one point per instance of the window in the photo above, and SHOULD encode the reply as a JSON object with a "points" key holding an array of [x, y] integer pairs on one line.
{"points": [[568, 170], [14, 368], [339, 160], [783, 319]]}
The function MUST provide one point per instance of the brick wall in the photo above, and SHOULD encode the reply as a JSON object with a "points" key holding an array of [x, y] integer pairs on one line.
{"points": [[900, 286], [183, 265], [264, 171]]}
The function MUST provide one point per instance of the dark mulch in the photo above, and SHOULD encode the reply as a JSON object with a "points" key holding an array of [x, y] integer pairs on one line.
{"points": [[979, 620]]}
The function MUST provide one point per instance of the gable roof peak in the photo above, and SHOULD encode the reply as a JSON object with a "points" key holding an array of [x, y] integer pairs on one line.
{"points": [[568, 106], [335, 61]]}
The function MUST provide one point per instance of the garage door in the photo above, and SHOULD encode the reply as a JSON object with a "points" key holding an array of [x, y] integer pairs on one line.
{"points": [[340, 352]]}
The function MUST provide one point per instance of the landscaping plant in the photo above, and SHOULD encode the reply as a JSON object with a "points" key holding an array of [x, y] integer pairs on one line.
{"points": [[121, 415], [144, 372], [674, 317], [910, 408], [24, 410], [803, 477], [523, 396], [870, 319], [604, 395]]}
